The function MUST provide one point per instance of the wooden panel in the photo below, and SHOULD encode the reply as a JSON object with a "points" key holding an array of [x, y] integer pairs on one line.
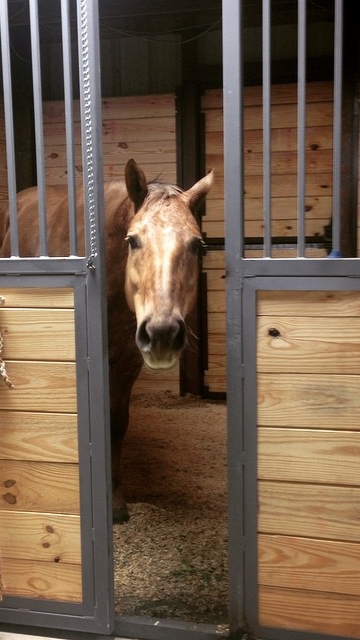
{"points": [[301, 563], [51, 487], [309, 455], [303, 344], [48, 437], [309, 400], [37, 580], [280, 93], [309, 303], [42, 537], [40, 386], [44, 334], [36, 297], [332, 614], [309, 510], [116, 107]]}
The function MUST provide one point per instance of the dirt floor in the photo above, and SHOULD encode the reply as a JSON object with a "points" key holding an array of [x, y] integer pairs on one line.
{"points": [[171, 558]]}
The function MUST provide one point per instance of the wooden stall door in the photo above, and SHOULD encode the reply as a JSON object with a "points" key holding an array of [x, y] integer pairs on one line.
{"points": [[49, 538], [308, 472]]}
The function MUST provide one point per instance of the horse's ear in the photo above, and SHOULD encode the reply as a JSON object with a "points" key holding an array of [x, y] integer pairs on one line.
{"points": [[136, 183], [196, 194]]}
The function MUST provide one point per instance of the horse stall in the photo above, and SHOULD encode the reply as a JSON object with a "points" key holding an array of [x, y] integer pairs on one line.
{"points": [[239, 467]]}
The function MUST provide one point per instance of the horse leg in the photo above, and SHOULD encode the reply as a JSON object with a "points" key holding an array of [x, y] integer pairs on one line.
{"points": [[122, 378]]}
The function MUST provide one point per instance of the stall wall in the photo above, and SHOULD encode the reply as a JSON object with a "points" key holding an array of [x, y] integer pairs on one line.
{"points": [[284, 191]]}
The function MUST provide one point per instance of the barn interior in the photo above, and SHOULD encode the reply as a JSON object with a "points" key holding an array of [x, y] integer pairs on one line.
{"points": [[171, 558]]}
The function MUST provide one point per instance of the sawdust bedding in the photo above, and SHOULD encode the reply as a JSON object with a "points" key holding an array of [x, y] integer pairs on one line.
{"points": [[171, 558]]}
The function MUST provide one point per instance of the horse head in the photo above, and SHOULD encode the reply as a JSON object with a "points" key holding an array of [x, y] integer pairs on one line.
{"points": [[162, 268]]}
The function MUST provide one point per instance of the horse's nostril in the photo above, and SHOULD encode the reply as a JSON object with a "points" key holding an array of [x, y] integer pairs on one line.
{"points": [[143, 339], [161, 334]]}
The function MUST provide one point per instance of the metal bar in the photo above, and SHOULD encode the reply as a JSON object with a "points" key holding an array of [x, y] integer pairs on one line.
{"points": [[301, 130], [9, 128], [234, 205], [38, 118], [99, 412], [337, 129], [266, 68], [69, 124]]}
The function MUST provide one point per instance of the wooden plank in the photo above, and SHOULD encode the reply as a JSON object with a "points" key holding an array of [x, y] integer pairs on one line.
{"points": [[284, 139], [280, 93], [145, 152], [309, 455], [309, 510], [58, 175], [38, 298], [318, 185], [51, 437], [46, 334], [332, 614], [216, 302], [40, 386], [118, 107], [309, 303], [255, 228], [215, 382], [42, 580], [303, 344], [304, 563], [43, 537], [118, 131], [51, 487], [282, 116], [281, 208], [309, 400]]}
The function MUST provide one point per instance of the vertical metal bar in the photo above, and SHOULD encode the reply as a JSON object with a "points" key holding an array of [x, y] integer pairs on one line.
{"points": [[38, 118], [234, 205], [9, 127], [337, 129], [301, 131], [90, 101], [266, 66], [69, 124]]}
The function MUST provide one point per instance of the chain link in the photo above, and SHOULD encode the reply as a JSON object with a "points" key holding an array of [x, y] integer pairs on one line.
{"points": [[88, 128]]}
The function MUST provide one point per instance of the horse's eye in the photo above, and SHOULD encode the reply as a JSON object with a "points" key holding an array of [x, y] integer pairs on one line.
{"points": [[196, 245], [133, 241]]}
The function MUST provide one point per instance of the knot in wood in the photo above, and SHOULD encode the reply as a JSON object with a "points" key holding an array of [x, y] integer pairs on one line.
{"points": [[273, 332]]}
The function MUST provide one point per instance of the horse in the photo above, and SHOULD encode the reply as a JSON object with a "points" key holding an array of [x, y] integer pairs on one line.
{"points": [[152, 245]]}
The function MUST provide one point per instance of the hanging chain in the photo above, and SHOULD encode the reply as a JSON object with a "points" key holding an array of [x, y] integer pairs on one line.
{"points": [[88, 128], [3, 373]]}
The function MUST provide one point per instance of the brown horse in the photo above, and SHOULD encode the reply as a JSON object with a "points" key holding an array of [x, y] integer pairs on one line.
{"points": [[152, 246]]}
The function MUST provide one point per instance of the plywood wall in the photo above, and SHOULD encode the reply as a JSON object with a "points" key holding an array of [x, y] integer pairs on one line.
{"points": [[284, 189], [39, 471], [308, 471]]}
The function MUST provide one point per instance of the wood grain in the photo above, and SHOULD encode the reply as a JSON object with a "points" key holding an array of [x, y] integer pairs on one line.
{"points": [[33, 297], [43, 537], [309, 455], [40, 386], [51, 437], [309, 510], [51, 487], [309, 400], [304, 344], [42, 580], [41, 334], [328, 613], [303, 563], [309, 303]]}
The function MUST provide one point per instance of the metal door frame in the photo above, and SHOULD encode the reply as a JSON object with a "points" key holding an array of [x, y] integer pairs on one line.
{"points": [[244, 277], [86, 275]]}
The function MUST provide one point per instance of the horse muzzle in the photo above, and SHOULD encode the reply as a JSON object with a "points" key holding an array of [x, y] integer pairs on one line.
{"points": [[161, 340]]}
